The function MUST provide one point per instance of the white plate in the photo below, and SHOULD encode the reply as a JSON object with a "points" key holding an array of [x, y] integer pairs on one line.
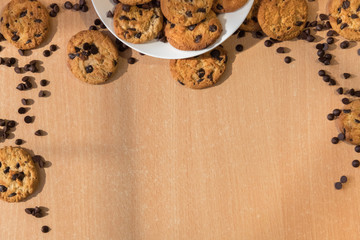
{"points": [[230, 22]]}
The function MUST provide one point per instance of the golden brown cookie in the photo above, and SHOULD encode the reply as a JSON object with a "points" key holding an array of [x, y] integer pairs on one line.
{"points": [[25, 23], [194, 37], [138, 24], [251, 23], [344, 18], [185, 12], [18, 174], [348, 122], [200, 72], [282, 19], [92, 56], [225, 6]]}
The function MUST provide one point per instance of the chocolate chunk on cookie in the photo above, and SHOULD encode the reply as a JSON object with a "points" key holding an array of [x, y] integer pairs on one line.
{"points": [[282, 19], [25, 23], [18, 174], [344, 18], [224, 6], [348, 122], [92, 57], [251, 23], [185, 12], [194, 37], [138, 24], [200, 72]]}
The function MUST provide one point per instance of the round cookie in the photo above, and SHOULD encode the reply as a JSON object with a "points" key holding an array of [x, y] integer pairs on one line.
{"points": [[92, 56], [194, 37], [200, 72], [251, 23], [185, 12], [18, 174], [282, 19], [344, 18], [25, 23], [225, 6], [137, 24], [349, 122], [134, 2]]}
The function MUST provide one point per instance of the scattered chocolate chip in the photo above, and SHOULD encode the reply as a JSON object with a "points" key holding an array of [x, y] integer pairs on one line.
{"points": [[336, 112], [357, 148], [239, 48], [345, 101], [338, 185], [18, 141], [344, 44], [323, 17], [346, 75], [43, 82], [52, 13], [11, 124], [287, 60], [330, 40], [22, 110], [29, 210], [7, 169], [46, 53], [341, 136], [53, 47], [343, 179], [340, 90], [321, 73], [68, 5], [131, 60], [45, 229], [268, 43], [334, 140], [280, 50], [39, 132], [330, 116], [93, 28], [355, 163], [332, 82], [28, 119], [241, 34], [109, 14], [42, 93]]}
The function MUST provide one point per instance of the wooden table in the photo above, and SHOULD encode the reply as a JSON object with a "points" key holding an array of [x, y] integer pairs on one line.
{"points": [[145, 158]]}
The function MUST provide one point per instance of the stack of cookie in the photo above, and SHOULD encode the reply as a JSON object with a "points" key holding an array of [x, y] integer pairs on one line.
{"points": [[188, 25]]}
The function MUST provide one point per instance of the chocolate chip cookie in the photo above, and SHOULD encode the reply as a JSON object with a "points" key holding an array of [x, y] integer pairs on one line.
{"points": [[344, 18], [18, 174], [185, 12], [348, 122], [224, 6], [200, 72], [92, 56], [282, 19], [194, 37], [138, 24], [251, 23], [25, 23]]}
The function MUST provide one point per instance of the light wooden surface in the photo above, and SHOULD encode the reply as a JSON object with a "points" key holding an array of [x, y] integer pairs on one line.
{"points": [[145, 158]]}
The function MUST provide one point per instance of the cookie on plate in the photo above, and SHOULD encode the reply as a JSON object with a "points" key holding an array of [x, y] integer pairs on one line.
{"points": [[225, 6], [92, 56], [138, 24], [344, 18], [251, 23], [194, 37], [25, 23], [200, 72], [18, 174], [283, 19], [185, 12], [348, 122]]}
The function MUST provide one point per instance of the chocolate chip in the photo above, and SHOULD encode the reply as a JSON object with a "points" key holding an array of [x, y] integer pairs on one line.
{"points": [[198, 38], [213, 28], [23, 14], [138, 35], [89, 69], [39, 133], [280, 50], [22, 110], [287, 59], [131, 60], [215, 54], [357, 148], [239, 48], [76, 7], [345, 101], [355, 163], [346, 75], [343, 179], [43, 82], [53, 47], [341, 136], [45, 229], [68, 5], [323, 17], [321, 73], [18, 70], [3, 188], [344, 44], [52, 13], [11, 124], [181, 82], [241, 34], [42, 93], [201, 73], [321, 53], [29, 210], [18, 141], [46, 53], [347, 110], [219, 7], [344, 25], [299, 23], [334, 140], [330, 40], [310, 38], [7, 169], [188, 13], [24, 101], [71, 56], [330, 116], [109, 14], [346, 4], [28, 119], [84, 8], [332, 82], [268, 43], [14, 177], [191, 27], [338, 185], [336, 112], [125, 8], [56, 8]]}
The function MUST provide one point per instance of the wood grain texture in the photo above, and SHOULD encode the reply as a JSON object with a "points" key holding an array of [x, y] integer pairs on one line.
{"points": [[145, 158]]}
